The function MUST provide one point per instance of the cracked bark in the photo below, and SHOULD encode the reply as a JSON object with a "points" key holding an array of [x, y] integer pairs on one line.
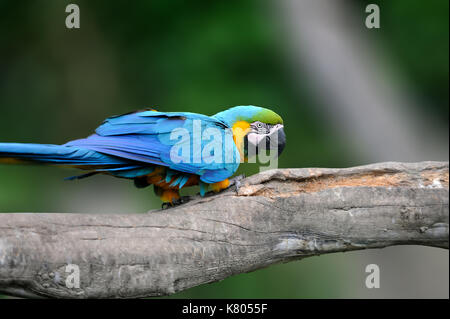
{"points": [[276, 216]]}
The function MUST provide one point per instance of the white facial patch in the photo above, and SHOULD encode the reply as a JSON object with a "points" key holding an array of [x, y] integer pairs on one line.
{"points": [[255, 138]]}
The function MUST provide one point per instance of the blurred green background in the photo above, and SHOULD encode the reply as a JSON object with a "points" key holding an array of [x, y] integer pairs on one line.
{"points": [[58, 84]]}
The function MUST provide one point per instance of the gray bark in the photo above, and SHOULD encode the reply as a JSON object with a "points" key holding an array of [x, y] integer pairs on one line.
{"points": [[275, 216]]}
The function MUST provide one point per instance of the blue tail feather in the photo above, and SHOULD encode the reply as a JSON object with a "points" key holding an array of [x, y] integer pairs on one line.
{"points": [[56, 154], [72, 156]]}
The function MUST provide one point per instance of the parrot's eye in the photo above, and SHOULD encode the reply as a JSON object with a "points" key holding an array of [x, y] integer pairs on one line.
{"points": [[260, 128]]}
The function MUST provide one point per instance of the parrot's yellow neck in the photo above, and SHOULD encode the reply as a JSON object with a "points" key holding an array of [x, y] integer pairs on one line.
{"points": [[240, 129]]}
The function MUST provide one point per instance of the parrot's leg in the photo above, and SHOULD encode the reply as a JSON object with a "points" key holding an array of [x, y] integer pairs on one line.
{"points": [[167, 195]]}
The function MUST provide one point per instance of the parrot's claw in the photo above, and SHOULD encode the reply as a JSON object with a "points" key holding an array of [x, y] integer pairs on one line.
{"points": [[176, 202], [166, 205], [182, 200], [236, 181]]}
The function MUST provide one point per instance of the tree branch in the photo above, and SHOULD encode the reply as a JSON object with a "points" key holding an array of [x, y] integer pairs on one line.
{"points": [[276, 216]]}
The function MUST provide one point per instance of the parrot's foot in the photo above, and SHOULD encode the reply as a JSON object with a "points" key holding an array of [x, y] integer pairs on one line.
{"points": [[236, 181], [226, 184], [175, 202]]}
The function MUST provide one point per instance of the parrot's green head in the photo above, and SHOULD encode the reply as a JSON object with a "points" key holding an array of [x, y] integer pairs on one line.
{"points": [[255, 127]]}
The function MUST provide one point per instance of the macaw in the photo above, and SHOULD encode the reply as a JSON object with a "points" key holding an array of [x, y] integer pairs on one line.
{"points": [[145, 145]]}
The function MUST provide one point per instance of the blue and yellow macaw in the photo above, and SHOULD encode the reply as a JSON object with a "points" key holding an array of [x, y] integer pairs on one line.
{"points": [[140, 146]]}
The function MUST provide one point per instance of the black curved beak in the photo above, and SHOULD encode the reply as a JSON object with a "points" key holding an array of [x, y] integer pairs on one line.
{"points": [[281, 140], [276, 139]]}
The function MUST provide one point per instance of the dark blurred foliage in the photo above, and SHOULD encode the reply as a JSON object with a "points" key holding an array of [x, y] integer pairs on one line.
{"points": [[416, 33], [198, 56]]}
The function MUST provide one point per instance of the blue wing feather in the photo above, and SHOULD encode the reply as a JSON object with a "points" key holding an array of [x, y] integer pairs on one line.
{"points": [[146, 137]]}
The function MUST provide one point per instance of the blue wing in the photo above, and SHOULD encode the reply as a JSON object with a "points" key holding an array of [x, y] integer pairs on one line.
{"points": [[148, 138]]}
